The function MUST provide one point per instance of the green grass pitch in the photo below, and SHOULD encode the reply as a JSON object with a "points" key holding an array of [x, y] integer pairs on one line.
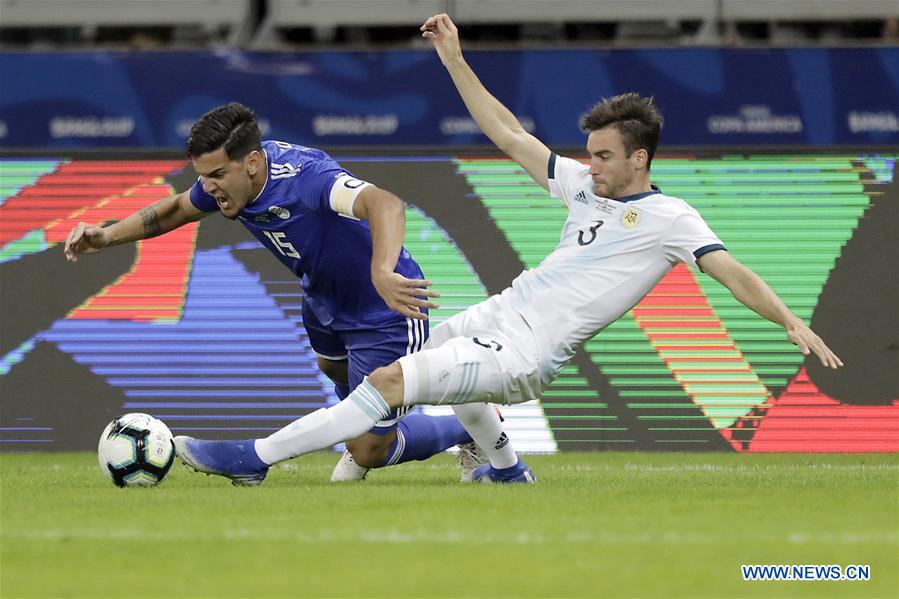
{"points": [[597, 525]]}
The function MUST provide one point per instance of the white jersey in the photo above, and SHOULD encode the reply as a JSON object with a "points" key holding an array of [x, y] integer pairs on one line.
{"points": [[611, 254]]}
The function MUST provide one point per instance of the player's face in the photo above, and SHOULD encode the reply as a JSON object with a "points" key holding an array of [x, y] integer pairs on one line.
{"points": [[612, 170], [230, 182]]}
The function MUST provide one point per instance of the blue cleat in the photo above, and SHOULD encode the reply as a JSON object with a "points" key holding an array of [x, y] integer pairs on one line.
{"points": [[236, 460], [519, 473]]}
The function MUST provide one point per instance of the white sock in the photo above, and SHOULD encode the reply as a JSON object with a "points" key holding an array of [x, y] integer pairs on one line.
{"points": [[483, 424], [323, 428]]}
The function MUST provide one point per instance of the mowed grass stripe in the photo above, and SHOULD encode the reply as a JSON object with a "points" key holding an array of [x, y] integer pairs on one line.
{"points": [[603, 524]]}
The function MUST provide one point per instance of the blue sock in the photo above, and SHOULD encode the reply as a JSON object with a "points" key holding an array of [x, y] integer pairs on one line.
{"points": [[341, 390], [418, 437]]}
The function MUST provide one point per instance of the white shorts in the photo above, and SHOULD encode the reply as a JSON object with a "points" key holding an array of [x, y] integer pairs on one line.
{"points": [[485, 354]]}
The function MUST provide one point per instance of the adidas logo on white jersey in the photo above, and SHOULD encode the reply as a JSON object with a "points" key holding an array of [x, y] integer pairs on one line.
{"points": [[581, 197], [283, 171]]}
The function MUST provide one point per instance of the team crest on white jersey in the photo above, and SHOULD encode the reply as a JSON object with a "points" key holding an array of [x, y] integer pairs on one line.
{"points": [[631, 217], [283, 171], [280, 212]]}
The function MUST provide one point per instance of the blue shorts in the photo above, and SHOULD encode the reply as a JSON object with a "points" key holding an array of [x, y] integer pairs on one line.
{"points": [[367, 349]]}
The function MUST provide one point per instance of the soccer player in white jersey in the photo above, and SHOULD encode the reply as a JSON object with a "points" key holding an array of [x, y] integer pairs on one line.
{"points": [[621, 237]]}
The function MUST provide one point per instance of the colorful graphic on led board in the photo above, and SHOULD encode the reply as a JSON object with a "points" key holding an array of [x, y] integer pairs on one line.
{"points": [[203, 329]]}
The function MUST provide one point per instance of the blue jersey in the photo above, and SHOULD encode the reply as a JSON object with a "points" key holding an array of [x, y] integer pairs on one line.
{"points": [[330, 253]]}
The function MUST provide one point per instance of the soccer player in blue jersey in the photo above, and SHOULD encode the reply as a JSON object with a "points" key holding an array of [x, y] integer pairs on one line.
{"points": [[366, 299]]}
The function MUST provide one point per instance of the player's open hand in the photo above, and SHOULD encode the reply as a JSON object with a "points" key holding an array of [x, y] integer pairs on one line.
{"points": [[809, 342], [85, 239], [406, 296], [442, 32]]}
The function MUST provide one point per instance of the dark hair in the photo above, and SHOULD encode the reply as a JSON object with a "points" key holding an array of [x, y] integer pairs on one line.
{"points": [[638, 120], [232, 127]]}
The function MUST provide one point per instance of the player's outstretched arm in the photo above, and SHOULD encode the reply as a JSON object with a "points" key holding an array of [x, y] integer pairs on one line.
{"points": [[494, 119], [157, 218], [750, 290], [386, 216]]}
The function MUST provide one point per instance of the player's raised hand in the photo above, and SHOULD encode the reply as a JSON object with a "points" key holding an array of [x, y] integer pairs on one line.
{"points": [[85, 238], [808, 342], [405, 295], [442, 32]]}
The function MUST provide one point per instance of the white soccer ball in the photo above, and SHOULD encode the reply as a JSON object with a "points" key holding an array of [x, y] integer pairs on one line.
{"points": [[136, 450]]}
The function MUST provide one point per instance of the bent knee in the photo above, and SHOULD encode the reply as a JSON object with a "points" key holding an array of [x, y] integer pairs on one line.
{"points": [[387, 379], [336, 370], [370, 451]]}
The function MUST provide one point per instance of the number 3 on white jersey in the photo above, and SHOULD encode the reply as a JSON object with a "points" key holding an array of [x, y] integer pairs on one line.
{"points": [[285, 247]]}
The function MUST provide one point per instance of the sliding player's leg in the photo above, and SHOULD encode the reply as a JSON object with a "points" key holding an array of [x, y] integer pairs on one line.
{"points": [[390, 441], [464, 370], [346, 357], [499, 364]]}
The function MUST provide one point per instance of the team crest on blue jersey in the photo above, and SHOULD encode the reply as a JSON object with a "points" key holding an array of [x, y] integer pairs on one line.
{"points": [[280, 212]]}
